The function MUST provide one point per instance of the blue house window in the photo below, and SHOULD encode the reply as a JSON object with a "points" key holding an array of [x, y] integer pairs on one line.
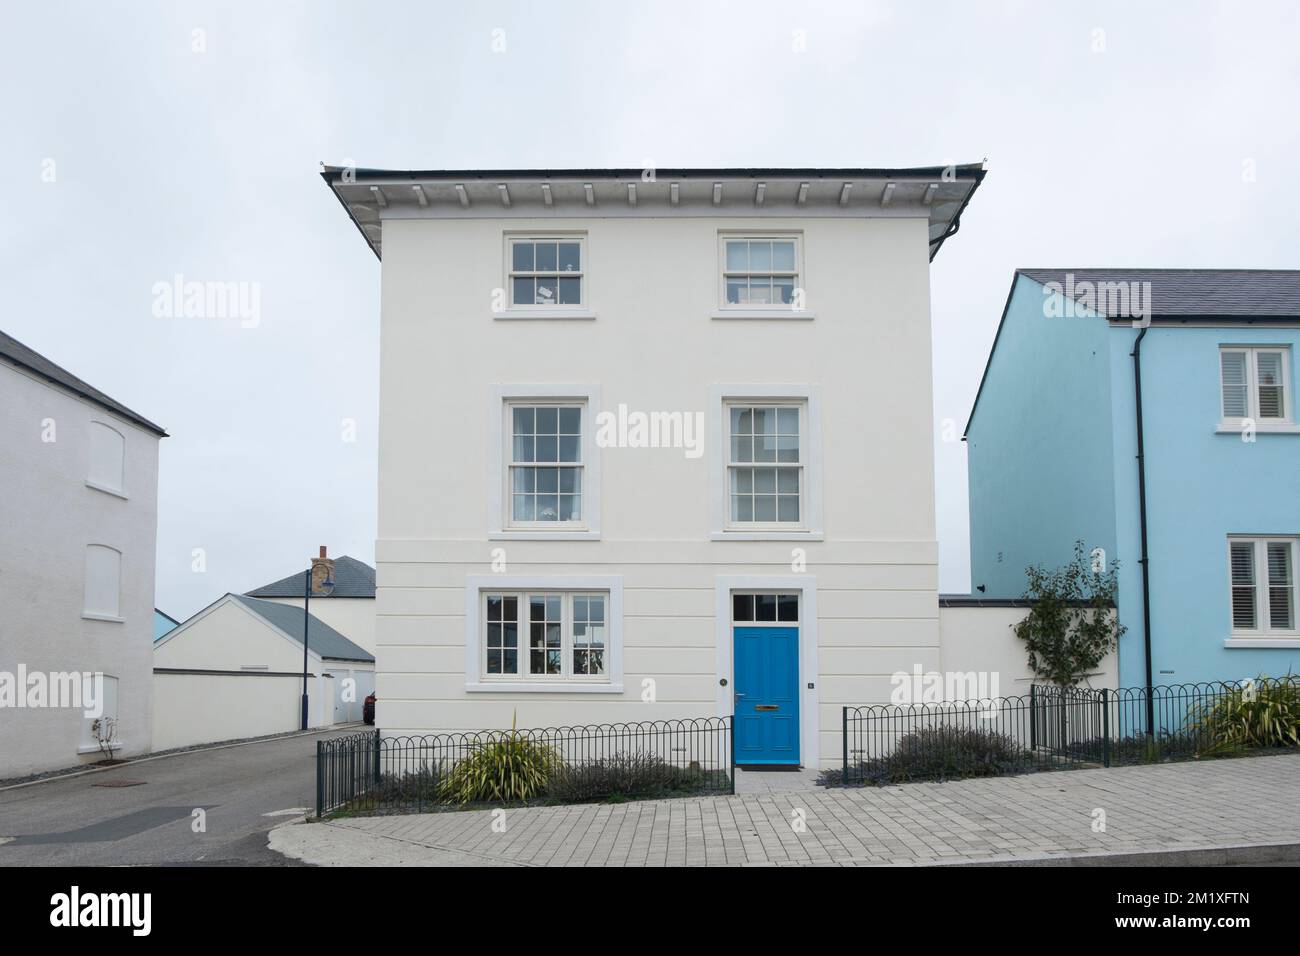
{"points": [[1253, 382], [1263, 582]]}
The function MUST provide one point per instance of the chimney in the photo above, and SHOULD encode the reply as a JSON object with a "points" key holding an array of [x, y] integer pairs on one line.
{"points": [[322, 570]]}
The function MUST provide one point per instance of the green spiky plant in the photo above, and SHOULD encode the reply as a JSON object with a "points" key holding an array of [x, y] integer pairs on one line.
{"points": [[504, 769], [1259, 714]]}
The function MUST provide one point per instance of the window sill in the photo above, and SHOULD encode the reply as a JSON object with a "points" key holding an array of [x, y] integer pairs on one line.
{"points": [[115, 492], [536, 687], [773, 535], [1284, 642], [789, 315], [112, 619], [543, 535], [1267, 428], [549, 313]]}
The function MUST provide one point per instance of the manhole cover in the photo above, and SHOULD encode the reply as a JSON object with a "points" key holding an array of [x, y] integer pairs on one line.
{"points": [[119, 783]]}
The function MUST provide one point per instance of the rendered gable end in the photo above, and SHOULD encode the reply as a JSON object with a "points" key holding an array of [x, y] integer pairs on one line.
{"points": [[1039, 447]]}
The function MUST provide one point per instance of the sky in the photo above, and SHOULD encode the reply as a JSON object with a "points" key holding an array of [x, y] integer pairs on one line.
{"points": [[144, 141]]}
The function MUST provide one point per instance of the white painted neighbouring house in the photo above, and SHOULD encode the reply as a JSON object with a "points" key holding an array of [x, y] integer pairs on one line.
{"points": [[78, 532], [349, 608], [536, 562], [235, 670]]}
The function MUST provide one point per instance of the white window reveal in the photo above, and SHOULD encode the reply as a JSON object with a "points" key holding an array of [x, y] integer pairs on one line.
{"points": [[546, 271], [1263, 586], [103, 583], [107, 458], [765, 465], [760, 271], [545, 474], [1254, 385]]}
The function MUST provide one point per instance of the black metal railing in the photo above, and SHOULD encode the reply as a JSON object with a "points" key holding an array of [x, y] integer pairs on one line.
{"points": [[1192, 721], [1054, 728], [371, 773], [971, 738]]}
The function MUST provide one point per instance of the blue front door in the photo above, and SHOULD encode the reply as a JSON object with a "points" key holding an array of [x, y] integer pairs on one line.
{"points": [[767, 694]]}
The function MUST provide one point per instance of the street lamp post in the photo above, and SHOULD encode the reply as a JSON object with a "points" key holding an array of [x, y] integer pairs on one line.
{"points": [[306, 619], [326, 588]]}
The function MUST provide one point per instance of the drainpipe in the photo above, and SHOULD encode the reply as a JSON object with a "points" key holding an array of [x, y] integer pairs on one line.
{"points": [[1144, 561]]}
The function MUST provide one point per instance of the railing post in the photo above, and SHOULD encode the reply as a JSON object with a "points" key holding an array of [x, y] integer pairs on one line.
{"points": [[320, 777], [844, 776], [1105, 727], [377, 752], [731, 747], [1033, 716]]}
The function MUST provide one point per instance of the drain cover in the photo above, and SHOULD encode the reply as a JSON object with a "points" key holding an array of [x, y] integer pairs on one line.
{"points": [[119, 783]]}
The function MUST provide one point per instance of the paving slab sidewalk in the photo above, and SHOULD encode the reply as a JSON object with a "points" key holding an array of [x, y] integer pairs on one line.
{"points": [[1247, 802]]}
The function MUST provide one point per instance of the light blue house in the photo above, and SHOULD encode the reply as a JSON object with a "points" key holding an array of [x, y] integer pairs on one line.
{"points": [[1150, 412], [162, 623]]}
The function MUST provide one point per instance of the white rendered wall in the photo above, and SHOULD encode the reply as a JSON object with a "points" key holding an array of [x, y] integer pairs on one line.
{"points": [[48, 515], [653, 284]]}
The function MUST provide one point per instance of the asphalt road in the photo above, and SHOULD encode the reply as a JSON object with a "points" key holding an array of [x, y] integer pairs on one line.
{"points": [[243, 792]]}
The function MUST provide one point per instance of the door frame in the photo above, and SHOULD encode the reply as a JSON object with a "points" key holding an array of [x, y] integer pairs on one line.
{"points": [[809, 698]]}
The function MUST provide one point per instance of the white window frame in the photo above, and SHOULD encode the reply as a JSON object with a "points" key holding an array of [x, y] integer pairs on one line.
{"points": [[1265, 635], [1252, 353], [765, 592], [501, 399], [532, 310], [563, 524], [798, 467], [729, 310], [809, 526], [479, 586]]}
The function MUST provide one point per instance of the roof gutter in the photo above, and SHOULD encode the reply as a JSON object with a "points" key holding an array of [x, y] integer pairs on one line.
{"points": [[937, 244]]}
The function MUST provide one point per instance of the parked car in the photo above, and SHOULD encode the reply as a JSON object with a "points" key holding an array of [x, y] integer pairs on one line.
{"points": [[368, 709]]}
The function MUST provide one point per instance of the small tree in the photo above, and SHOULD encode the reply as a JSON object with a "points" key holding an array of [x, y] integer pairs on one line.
{"points": [[105, 733], [1071, 625]]}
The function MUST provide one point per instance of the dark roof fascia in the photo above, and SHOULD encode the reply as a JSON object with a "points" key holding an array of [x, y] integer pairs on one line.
{"points": [[195, 670], [332, 174], [82, 389], [971, 171], [1278, 320], [967, 600]]}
